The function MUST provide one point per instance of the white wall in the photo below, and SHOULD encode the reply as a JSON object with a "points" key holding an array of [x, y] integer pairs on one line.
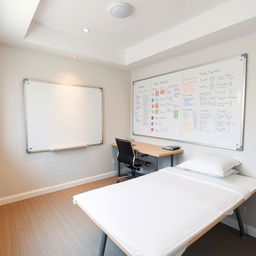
{"points": [[21, 172], [240, 45]]}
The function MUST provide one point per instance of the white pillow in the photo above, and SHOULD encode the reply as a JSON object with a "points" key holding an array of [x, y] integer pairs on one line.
{"points": [[229, 172], [226, 174], [214, 165]]}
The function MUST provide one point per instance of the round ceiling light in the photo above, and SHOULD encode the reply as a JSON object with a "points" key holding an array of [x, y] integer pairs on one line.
{"points": [[120, 10], [86, 30]]}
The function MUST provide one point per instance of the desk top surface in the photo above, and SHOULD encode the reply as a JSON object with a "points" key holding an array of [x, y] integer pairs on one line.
{"points": [[153, 150]]}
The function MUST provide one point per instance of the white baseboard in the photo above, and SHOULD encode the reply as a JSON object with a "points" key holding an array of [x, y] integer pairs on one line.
{"points": [[233, 223], [46, 190]]}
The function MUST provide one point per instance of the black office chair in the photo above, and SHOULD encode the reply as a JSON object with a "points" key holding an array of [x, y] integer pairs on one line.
{"points": [[126, 155]]}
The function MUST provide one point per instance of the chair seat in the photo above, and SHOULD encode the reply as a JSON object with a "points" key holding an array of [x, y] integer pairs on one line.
{"points": [[137, 164]]}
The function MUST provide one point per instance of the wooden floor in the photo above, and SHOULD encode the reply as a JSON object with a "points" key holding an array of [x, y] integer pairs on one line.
{"points": [[51, 225]]}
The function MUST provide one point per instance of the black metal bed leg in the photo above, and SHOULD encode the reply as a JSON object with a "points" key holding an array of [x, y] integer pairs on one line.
{"points": [[103, 244], [240, 223]]}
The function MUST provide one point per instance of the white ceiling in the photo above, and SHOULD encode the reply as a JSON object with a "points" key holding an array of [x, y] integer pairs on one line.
{"points": [[155, 30], [149, 18]]}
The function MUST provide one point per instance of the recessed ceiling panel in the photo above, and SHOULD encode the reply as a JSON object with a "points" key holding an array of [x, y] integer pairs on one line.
{"points": [[148, 19]]}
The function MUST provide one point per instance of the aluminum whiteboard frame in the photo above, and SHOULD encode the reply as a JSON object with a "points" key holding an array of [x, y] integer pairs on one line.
{"points": [[238, 147], [26, 80]]}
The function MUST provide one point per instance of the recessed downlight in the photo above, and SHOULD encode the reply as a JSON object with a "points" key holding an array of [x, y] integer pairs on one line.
{"points": [[120, 10], [75, 56], [86, 30]]}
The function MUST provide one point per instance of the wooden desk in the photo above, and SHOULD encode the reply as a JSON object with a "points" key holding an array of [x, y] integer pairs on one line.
{"points": [[153, 150]]}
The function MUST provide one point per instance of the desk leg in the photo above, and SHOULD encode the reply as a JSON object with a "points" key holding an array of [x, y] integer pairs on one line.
{"points": [[240, 223], [118, 174], [156, 163], [103, 244], [171, 160]]}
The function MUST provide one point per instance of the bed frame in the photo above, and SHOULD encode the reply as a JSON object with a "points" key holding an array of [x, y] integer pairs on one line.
{"points": [[243, 234]]}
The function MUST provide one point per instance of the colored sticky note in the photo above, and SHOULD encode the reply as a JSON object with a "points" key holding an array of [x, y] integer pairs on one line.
{"points": [[186, 115], [176, 114]]}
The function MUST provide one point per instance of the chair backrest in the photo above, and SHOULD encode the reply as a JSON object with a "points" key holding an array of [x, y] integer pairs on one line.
{"points": [[125, 151]]}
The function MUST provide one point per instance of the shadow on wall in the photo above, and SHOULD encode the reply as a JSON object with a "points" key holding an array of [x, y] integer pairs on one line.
{"points": [[13, 175], [7, 160]]}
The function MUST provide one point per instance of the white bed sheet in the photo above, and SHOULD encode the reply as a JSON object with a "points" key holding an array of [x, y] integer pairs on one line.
{"points": [[159, 213]]}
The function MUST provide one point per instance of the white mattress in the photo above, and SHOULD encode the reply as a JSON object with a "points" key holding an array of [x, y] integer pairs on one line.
{"points": [[158, 214]]}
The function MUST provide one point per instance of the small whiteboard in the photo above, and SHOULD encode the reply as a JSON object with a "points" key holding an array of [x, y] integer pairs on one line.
{"points": [[62, 117], [203, 104]]}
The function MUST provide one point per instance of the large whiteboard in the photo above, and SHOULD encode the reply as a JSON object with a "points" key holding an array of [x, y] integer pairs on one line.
{"points": [[203, 105], [61, 117]]}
